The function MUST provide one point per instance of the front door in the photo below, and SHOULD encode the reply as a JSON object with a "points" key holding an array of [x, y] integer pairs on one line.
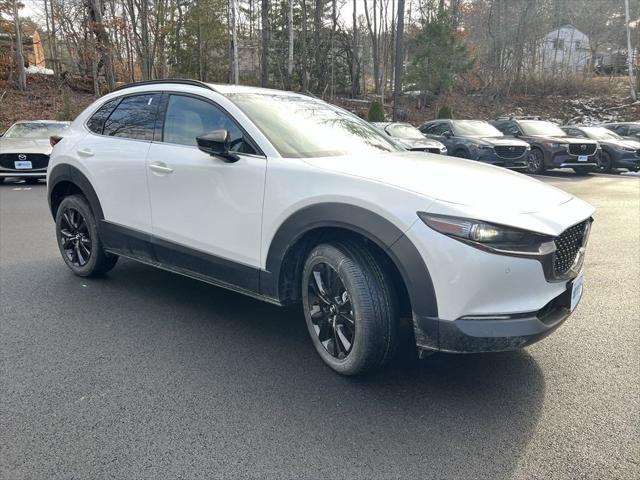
{"points": [[206, 213]]}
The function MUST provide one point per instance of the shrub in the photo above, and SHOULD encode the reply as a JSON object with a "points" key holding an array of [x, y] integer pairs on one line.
{"points": [[444, 112], [376, 112]]}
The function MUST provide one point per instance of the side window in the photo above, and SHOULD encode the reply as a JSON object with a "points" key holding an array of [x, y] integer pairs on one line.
{"points": [[188, 118], [509, 129], [620, 130], [441, 129], [96, 122], [135, 117]]}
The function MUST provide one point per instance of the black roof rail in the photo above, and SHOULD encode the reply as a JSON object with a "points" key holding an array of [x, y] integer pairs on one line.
{"points": [[182, 81]]}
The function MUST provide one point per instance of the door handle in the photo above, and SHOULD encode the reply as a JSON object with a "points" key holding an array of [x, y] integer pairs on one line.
{"points": [[85, 152], [160, 167]]}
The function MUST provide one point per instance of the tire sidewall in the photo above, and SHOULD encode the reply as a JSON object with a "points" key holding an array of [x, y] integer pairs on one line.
{"points": [[79, 204], [531, 166], [602, 166], [356, 358]]}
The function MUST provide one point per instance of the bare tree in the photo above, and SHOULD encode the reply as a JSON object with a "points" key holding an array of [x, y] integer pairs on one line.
{"points": [[397, 84], [632, 84], [22, 76], [290, 32], [103, 43], [264, 64]]}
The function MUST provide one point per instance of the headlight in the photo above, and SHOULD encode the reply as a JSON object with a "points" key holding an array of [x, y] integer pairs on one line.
{"points": [[485, 147], [626, 149], [488, 236], [556, 145]]}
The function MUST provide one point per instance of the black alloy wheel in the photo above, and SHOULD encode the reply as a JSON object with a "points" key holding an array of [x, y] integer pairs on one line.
{"points": [[331, 311], [75, 238], [78, 238]]}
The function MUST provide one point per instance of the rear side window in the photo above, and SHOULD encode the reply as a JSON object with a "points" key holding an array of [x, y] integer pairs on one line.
{"points": [[134, 117], [188, 118], [96, 122]]}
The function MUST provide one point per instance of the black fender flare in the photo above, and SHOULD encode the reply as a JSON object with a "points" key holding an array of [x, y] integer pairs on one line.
{"points": [[370, 225], [68, 173]]}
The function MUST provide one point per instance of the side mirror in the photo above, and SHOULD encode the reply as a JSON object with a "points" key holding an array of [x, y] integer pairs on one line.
{"points": [[216, 143], [447, 134]]}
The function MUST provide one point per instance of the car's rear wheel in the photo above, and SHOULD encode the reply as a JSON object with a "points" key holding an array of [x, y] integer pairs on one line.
{"points": [[605, 163], [78, 239], [349, 307], [535, 162]]}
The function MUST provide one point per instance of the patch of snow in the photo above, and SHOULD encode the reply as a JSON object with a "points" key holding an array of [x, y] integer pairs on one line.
{"points": [[41, 70]]}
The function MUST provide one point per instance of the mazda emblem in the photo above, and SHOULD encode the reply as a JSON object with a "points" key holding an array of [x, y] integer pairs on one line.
{"points": [[512, 148], [22, 156], [583, 147]]}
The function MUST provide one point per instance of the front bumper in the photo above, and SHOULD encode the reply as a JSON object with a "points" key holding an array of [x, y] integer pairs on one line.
{"points": [[498, 333], [23, 174], [563, 159]]}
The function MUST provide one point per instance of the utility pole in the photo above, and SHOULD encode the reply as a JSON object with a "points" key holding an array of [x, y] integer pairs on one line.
{"points": [[397, 84], [632, 84]]}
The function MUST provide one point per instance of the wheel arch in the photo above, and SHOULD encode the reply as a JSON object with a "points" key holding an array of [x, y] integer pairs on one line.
{"points": [[323, 222], [65, 180]]}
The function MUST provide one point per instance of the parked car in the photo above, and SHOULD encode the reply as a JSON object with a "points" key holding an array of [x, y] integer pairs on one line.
{"points": [[411, 138], [616, 151], [551, 147], [478, 140], [288, 199], [628, 130], [25, 148]]}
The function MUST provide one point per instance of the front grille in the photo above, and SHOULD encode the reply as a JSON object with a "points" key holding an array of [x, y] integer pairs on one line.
{"points": [[582, 148], [38, 160], [510, 151], [567, 246], [637, 153], [433, 150]]}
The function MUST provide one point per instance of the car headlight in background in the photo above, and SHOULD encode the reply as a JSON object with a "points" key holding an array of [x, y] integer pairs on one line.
{"points": [[488, 236], [556, 145], [626, 149], [485, 147]]}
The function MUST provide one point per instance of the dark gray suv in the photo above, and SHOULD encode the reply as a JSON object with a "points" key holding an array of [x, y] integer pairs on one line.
{"points": [[478, 140]]}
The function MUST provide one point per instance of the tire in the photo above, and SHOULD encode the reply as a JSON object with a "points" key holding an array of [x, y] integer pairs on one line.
{"points": [[583, 170], [535, 162], [605, 164], [350, 310], [78, 239], [460, 153]]}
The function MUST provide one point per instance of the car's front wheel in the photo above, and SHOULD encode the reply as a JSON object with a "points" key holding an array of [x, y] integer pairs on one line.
{"points": [[78, 239], [349, 307], [535, 162], [605, 163]]}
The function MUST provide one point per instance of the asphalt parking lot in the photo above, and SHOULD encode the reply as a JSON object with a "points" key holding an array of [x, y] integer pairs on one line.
{"points": [[146, 374]]}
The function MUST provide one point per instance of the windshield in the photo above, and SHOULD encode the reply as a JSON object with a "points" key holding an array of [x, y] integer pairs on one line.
{"points": [[600, 133], [304, 127], [539, 127], [34, 130], [475, 128], [404, 130]]}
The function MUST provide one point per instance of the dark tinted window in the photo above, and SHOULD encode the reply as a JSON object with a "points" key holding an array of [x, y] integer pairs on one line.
{"points": [[135, 117], [188, 118], [440, 129], [509, 128], [96, 122]]}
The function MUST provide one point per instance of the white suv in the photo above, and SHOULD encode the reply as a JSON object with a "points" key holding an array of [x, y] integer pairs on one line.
{"points": [[286, 198]]}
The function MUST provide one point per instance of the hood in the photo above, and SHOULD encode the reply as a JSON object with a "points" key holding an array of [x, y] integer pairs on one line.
{"points": [[419, 142], [25, 145], [622, 143], [452, 180]]}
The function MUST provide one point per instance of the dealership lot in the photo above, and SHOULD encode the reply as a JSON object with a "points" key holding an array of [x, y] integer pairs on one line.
{"points": [[146, 374]]}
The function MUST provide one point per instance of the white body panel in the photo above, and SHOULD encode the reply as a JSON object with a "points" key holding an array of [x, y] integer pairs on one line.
{"points": [[207, 204]]}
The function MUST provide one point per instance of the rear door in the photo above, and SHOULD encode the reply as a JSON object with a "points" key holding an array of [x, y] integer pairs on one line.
{"points": [[206, 212], [115, 155]]}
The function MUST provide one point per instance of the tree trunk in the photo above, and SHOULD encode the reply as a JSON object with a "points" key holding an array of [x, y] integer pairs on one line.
{"points": [[22, 76], [54, 43], [290, 28], [632, 84], [264, 63], [354, 63], [234, 42], [304, 59], [373, 33], [103, 42], [397, 84]]}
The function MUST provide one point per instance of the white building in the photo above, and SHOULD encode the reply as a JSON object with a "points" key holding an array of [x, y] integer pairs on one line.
{"points": [[566, 49]]}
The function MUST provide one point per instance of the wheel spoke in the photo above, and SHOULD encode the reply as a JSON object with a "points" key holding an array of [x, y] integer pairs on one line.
{"points": [[81, 259], [343, 340], [66, 233], [319, 287]]}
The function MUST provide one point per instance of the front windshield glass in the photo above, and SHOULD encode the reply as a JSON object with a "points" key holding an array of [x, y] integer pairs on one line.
{"points": [[540, 127], [600, 133], [34, 130], [304, 127], [404, 130], [475, 128]]}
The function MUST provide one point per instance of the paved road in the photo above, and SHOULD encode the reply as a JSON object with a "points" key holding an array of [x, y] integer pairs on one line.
{"points": [[145, 374]]}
